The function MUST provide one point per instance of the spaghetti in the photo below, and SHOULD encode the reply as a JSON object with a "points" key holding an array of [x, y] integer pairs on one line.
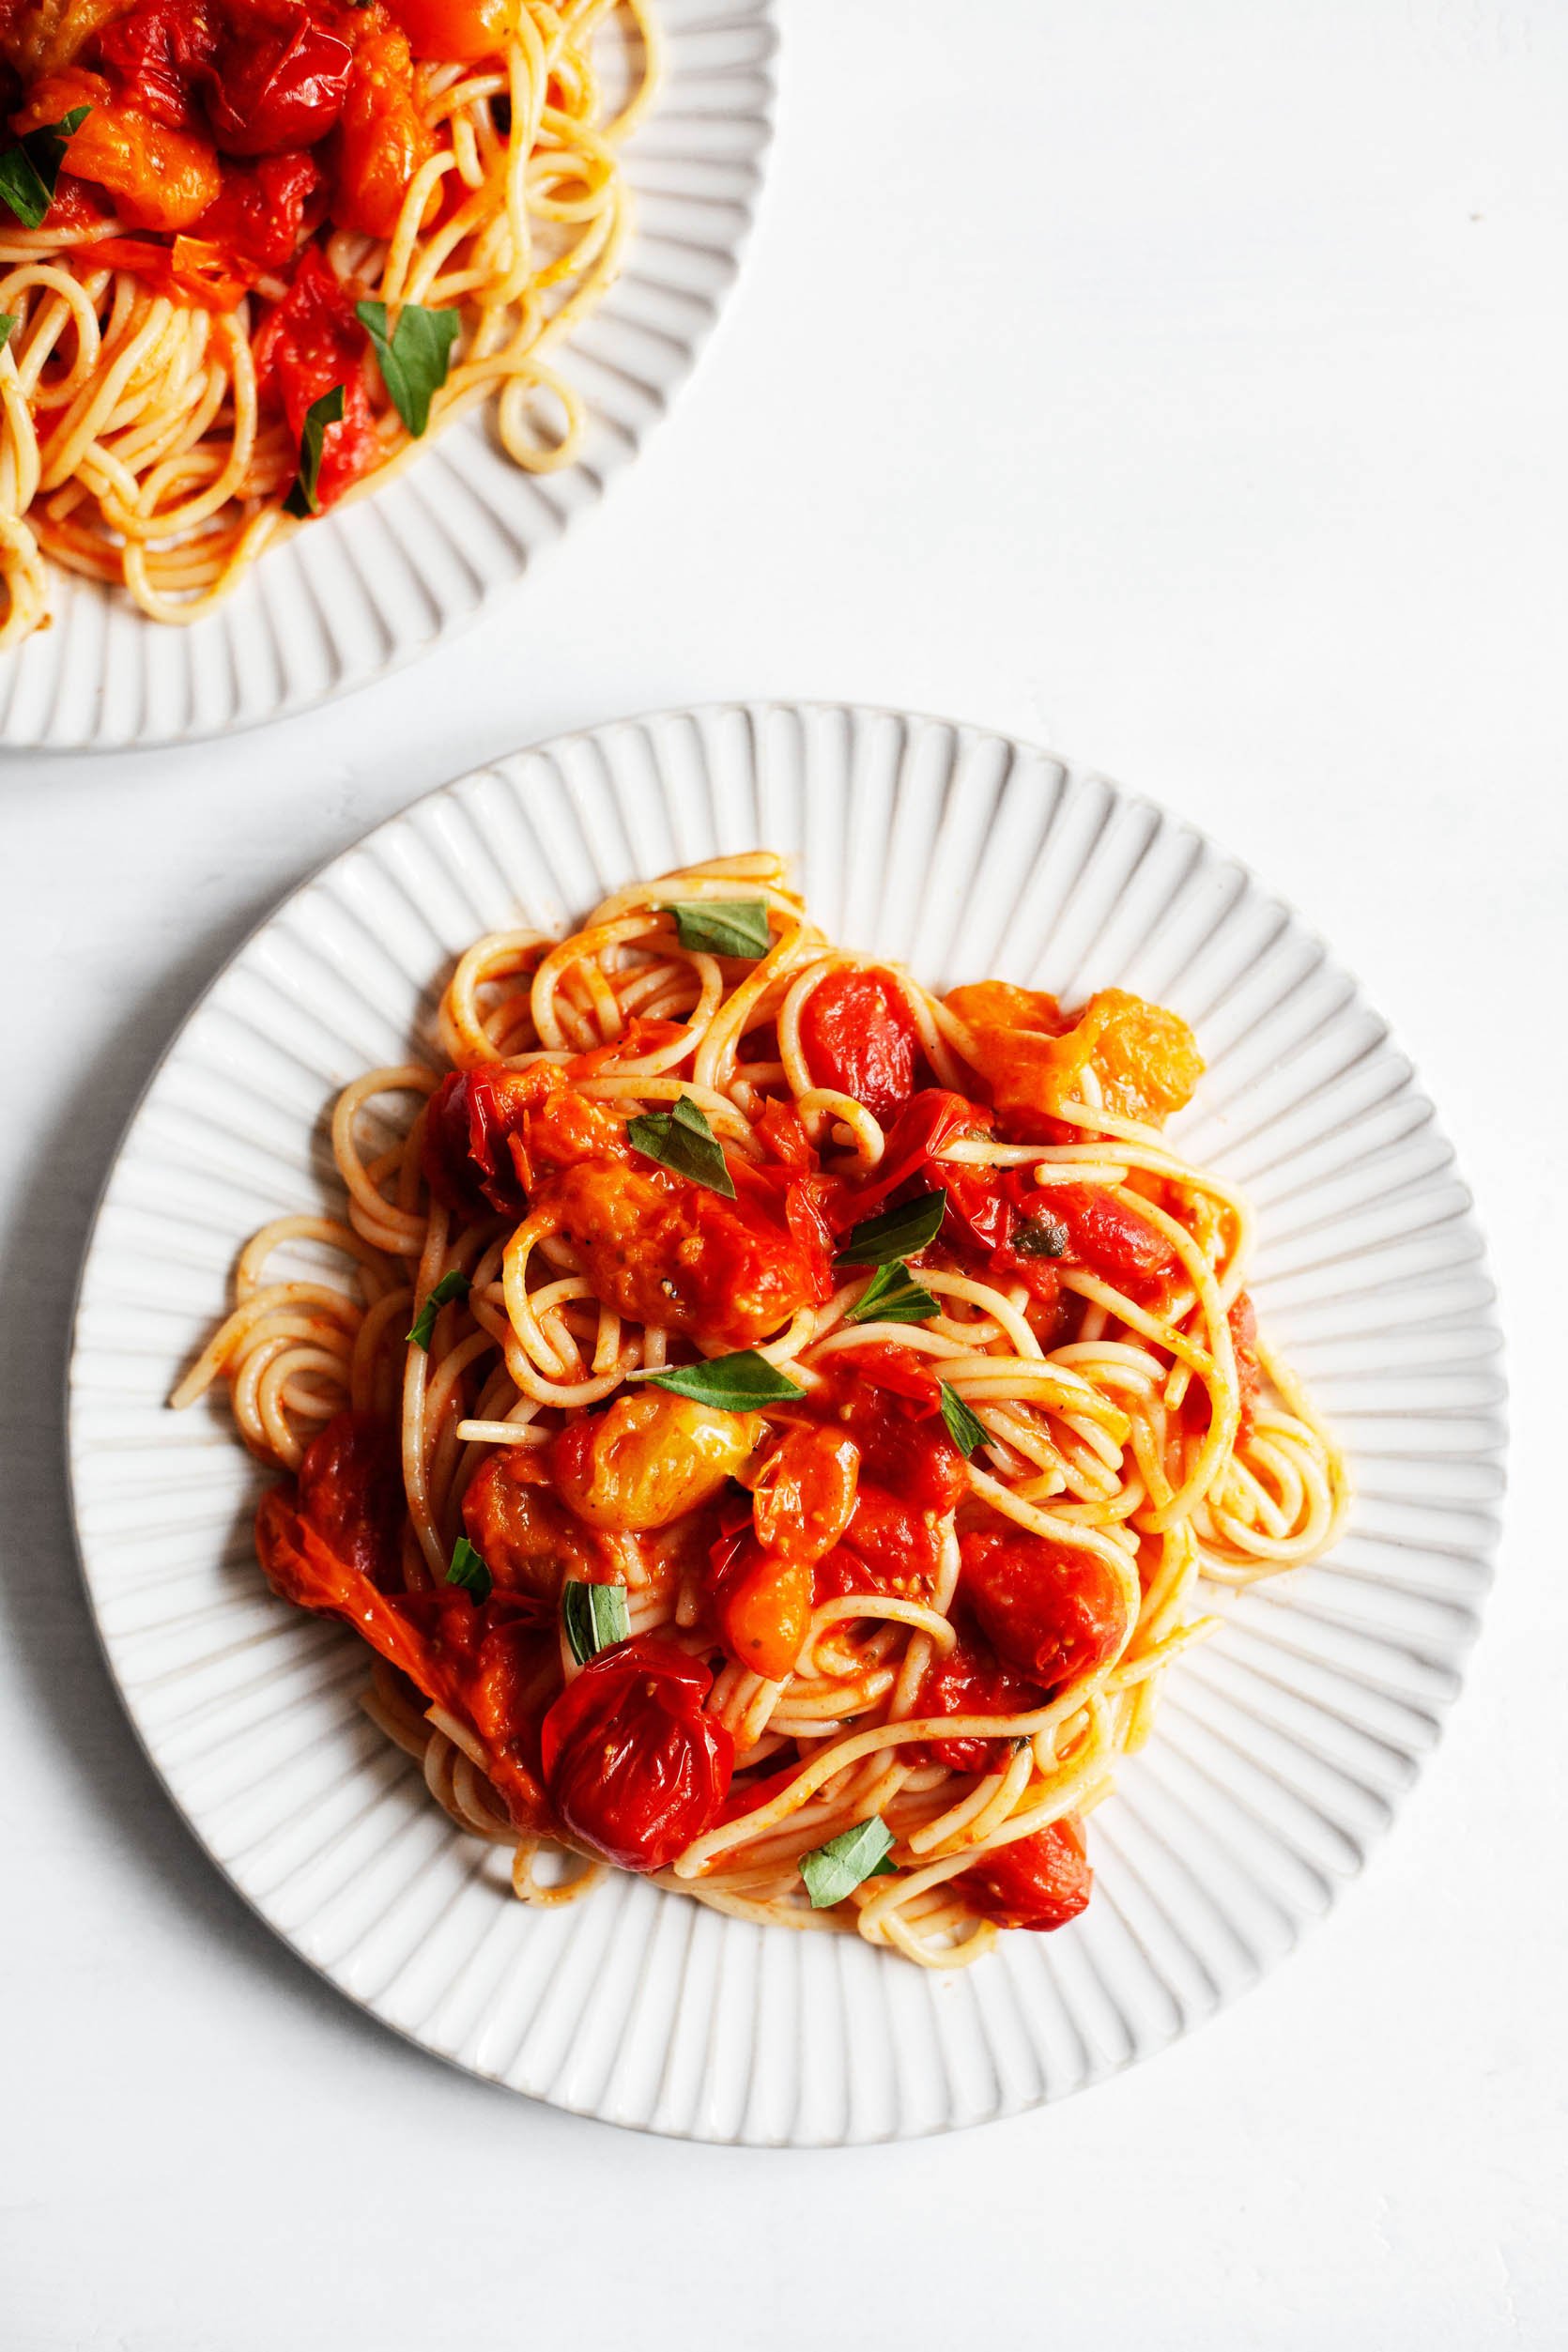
{"points": [[822, 1409], [251, 250]]}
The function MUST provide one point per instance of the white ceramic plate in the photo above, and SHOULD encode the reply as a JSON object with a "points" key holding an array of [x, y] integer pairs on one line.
{"points": [[373, 585], [1283, 1747]]}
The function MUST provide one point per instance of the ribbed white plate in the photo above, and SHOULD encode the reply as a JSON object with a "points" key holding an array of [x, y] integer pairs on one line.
{"points": [[369, 587], [1283, 1747]]}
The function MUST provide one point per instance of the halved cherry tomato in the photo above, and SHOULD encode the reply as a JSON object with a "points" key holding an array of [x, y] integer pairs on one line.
{"points": [[973, 1681], [456, 29], [636, 1768], [858, 1036], [1055, 1612], [763, 1605], [523, 1532], [1038, 1883], [804, 1496]]}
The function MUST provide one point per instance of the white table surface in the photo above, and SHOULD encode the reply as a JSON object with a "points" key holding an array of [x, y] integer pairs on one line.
{"points": [[1186, 387]]}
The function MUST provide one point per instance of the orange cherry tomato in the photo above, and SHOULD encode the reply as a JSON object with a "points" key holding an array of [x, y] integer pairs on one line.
{"points": [[649, 1459], [524, 1533], [466, 29], [763, 1609], [803, 1497], [160, 178], [383, 138]]}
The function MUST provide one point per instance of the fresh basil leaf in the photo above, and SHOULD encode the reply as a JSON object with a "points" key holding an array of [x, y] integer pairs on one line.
{"points": [[962, 1427], [897, 1233], [732, 1383], [1041, 1237], [595, 1617], [468, 1570], [722, 927], [414, 357], [892, 1296], [835, 1869], [452, 1285], [683, 1141], [8, 324], [302, 500], [29, 170]]}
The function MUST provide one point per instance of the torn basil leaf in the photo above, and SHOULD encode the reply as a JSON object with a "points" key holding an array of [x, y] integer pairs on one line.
{"points": [[681, 1141], [835, 1869], [897, 1233], [30, 168], [892, 1296], [414, 357], [966, 1431], [302, 500], [1043, 1236], [467, 1569], [452, 1285], [595, 1617], [734, 1383], [722, 927]]}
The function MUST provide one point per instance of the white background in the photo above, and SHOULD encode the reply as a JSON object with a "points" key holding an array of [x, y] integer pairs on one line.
{"points": [[1186, 387]]}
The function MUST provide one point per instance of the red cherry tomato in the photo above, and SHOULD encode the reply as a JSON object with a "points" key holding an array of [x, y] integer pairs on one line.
{"points": [[1037, 1882], [973, 1681], [635, 1767], [351, 1492], [157, 53], [259, 217], [1055, 1612], [524, 1533], [858, 1036], [804, 1496], [310, 342], [274, 85], [1109, 1239], [891, 1407]]}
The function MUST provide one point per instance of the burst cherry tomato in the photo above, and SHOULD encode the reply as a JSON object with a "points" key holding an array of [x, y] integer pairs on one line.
{"points": [[275, 83], [156, 52], [1109, 1239], [160, 178], [351, 1492], [456, 29], [891, 1407], [635, 1769], [309, 343], [1055, 1612], [858, 1036], [259, 217], [524, 1533], [973, 1681], [805, 1494], [1038, 1883], [383, 137]]}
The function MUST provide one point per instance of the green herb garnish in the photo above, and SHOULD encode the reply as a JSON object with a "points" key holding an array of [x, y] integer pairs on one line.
{"points": [[732, 1383], [302, 500], [722, 927], [467, 1569], [683, 1141], [897, 1233], [1041, 1237], [8, 324], [452, 1285], [414, 357], [966, 1431], [595, 1617], [835, 1869], [892, 1296], [30, 169]]}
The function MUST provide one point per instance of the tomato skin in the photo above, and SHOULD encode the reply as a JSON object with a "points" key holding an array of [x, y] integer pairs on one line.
{"points": [[1054, 1612], [383, 138], [160, 178], [466, 29], [310, 342], [635, 1767], [351, 1487], [763, 1605], [973, 1681], [156, 52], [1036, 1883], [526, 1535], [274, 85], [858, 1036], [804, 1496]]}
